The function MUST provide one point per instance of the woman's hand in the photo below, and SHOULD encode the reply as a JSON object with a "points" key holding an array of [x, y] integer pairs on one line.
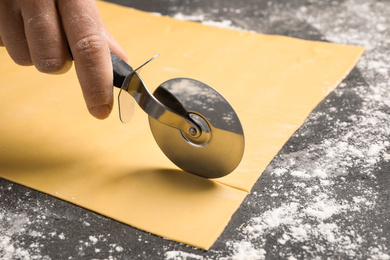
{"points": [[37, 32]]}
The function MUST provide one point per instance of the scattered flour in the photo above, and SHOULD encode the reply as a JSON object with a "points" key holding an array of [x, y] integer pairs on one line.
{"points": [[227, 24], [93, 239], [9, 251], [11, 227], [180, 255], [244, 250]]}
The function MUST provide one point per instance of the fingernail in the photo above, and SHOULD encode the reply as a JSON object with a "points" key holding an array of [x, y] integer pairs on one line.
{"points": [[100, 112]]}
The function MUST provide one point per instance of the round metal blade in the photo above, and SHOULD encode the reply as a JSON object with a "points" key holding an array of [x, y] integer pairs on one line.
{"points": [[220, 148]]}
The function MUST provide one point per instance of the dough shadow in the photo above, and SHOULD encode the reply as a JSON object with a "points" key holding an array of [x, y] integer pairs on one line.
{"points": [[169, 178], [30, 162]]}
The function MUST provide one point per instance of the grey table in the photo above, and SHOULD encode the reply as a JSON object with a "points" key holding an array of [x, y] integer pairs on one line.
{"points": [[325, 195]]}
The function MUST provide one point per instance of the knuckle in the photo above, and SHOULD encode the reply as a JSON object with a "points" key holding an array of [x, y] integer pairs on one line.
{"points": [[97, 95], [22, 59], [23, 62], [19, 52], [50, 65], [89, 45]]}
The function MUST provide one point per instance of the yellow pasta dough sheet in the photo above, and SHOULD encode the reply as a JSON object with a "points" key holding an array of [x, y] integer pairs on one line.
{"points": [[49, 142]]}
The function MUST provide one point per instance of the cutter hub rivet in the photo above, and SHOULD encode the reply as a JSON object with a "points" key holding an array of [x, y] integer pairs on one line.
{"points": [[193, 131]]}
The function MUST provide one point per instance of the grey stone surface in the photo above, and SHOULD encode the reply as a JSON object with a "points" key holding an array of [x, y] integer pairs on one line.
{"points": [[324, 196]]}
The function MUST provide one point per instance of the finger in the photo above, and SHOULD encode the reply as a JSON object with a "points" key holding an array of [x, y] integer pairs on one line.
{"points": [[85, 32], [12, 33], [45, 36], [114, 45]]}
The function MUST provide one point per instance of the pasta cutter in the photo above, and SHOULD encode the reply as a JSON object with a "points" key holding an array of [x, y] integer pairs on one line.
{"points": [[193, 124]]}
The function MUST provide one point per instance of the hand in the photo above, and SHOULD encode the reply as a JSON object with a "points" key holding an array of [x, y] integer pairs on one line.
{"points": [[37, 32]]}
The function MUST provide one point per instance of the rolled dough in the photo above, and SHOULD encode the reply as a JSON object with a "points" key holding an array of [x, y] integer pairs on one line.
{"points": [[49, 142]]}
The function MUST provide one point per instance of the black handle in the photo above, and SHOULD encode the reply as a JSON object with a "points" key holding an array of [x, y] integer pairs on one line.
{"points": [[120, 68]]}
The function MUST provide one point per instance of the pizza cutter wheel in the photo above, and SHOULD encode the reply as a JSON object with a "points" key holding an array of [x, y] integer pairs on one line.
{"points": [[192, 123]]}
